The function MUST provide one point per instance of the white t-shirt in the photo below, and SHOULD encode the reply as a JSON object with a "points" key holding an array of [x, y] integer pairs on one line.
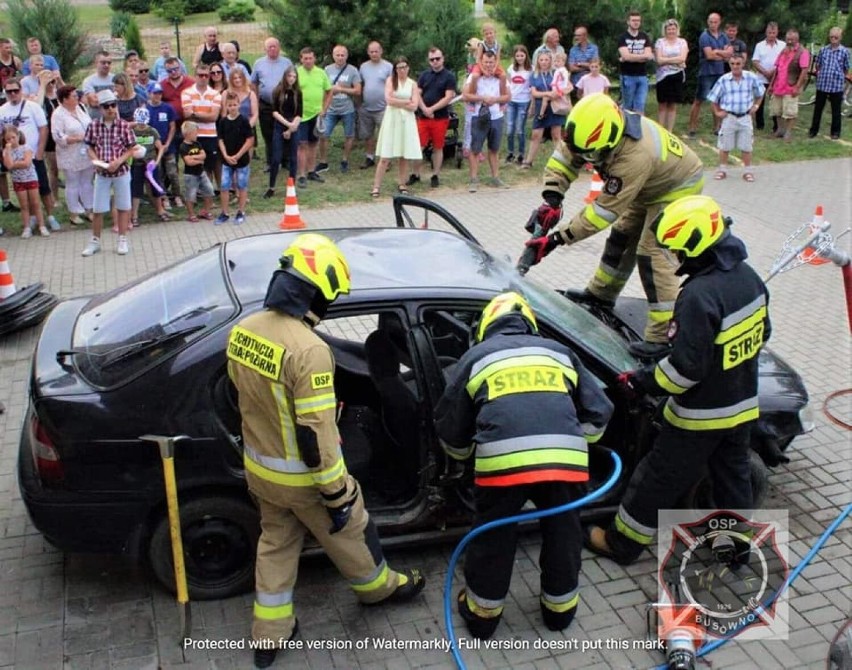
{"points": [[27, 117], [519, 84], [490, 87], [766, 55]]}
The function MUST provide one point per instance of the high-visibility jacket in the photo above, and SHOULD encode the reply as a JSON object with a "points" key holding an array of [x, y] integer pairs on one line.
{"points": [[526, 405], [649, 166], [284, 374], [721, 321]]}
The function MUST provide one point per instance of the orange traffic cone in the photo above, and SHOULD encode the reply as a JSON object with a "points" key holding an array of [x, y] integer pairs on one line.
{"points": [[7, 283], [594, 188], [809, 254], [292, 219]]}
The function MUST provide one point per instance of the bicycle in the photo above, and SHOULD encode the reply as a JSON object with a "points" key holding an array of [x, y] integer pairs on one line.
{"points": [[808, 95]]}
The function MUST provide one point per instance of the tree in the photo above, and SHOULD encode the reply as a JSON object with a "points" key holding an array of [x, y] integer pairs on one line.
{"points": [[404, 27], [57, 26], [133, 39]]}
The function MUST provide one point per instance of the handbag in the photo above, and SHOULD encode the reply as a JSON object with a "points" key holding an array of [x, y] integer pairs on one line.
{"points": [[320, 125], [560, 105]]}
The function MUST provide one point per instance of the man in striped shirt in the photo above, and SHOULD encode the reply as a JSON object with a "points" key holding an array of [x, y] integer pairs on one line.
{"points": [[202, 104]]}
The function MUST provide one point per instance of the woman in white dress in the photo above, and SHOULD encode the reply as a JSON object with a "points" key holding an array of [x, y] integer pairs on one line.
{"points": [[398, 136]]}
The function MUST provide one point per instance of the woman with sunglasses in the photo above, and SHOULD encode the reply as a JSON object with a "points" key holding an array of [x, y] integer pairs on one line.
{"points": [[218, 81]]}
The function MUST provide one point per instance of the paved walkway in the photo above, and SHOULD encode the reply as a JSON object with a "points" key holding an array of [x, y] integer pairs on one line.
{"points": [[86, 611]]}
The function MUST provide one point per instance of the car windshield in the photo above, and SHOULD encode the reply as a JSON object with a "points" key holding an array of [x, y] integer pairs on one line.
{"points": [[122, 332], [586, 330]]}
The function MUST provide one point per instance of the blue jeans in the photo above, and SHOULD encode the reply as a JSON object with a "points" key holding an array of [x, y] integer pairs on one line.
{"points": [[634, 92], [516, 119]]}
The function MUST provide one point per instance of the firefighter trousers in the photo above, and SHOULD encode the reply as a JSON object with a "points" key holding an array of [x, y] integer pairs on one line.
{"points": [[632, 243], [490, 556], [677, 461], [286, 513]]}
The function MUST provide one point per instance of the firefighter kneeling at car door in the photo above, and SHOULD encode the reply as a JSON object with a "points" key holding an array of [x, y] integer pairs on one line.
{"points": [[525, 408], [294, 467], [720, 323], [644, 167]]}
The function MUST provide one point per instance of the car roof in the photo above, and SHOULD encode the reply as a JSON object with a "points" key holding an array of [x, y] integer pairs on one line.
{"points": [[380, 259]]}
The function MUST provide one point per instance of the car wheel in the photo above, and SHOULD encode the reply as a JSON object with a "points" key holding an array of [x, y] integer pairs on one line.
{"points": [[220, 536], [701, 495]]}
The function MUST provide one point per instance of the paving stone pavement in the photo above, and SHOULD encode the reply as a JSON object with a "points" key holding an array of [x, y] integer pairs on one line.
{"points": [[90, 611]]}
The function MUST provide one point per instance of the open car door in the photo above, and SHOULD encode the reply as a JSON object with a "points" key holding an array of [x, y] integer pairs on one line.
{"points": [[413, 212]]}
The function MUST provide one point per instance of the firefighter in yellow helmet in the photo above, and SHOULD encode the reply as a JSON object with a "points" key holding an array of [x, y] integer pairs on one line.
{"points": [[525, 408], [720, 323], [644, 168], [294, 467]]}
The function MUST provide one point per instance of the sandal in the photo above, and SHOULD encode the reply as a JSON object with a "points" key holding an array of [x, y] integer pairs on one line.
{"points": [[526, 166], [402, 190], [748, 176], [375, 193], [164, 217], [192, 219], [720, 175]]}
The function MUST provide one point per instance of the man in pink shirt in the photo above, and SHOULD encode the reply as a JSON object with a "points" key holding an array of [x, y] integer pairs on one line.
{"points": [[791, 73]]}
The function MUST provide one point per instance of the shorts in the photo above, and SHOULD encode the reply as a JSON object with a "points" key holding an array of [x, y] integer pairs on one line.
{"points": [[434, 130], [195, 185], [550, 119], [670, 88], [120, 188], [306, 134], [785, 106], [369, 123], [138, 179], [493, 135], [21, 186], [736, 133], [211, 151], [706, 82], [331, 120], [43, 181], [242, 177]]}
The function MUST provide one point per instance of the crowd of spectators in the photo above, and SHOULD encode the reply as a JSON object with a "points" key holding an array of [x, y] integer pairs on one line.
{"points": [[397, 113]]}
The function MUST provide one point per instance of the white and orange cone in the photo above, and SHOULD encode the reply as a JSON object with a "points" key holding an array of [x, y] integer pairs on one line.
{"points": [[292, 219], [595, 188], [7, 282], [809, 255]]}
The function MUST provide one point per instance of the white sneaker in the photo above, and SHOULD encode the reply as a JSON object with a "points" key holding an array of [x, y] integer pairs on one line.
{"points": [[26, 233], [43, 231], [93, 247], [122, 247]]}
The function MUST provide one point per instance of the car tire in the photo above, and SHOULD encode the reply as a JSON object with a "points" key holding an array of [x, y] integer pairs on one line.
{"points": [[219, 536], [701, 495]]}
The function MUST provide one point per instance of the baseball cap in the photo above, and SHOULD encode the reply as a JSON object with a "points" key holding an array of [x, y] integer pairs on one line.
{"points": [[156, 88]]}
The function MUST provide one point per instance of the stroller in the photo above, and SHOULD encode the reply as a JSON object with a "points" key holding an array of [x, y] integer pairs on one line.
{"points": [[452, 144]]}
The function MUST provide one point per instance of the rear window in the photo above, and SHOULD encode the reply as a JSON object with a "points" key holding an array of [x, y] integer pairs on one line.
{"points": [[131, 328]]}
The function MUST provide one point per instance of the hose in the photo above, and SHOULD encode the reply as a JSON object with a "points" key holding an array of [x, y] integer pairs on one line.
{"points": [[527, 516], [712, 646]]}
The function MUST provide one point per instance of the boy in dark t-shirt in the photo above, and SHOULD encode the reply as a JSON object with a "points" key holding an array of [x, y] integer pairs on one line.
{"points": [[195, 180], [235, 142], [147, 137]]}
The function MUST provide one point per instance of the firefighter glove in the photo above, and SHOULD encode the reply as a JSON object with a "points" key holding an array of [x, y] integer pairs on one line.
{"points": [[339, 517], [543, 245], [629, 385], [548, 217]]}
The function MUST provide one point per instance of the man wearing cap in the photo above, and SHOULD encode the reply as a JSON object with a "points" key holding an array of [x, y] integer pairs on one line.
{"points": [[163, 119], [111, 144]]}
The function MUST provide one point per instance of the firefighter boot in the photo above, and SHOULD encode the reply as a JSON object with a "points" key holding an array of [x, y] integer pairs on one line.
{"points": [[479, 627], [411, 582], [557, 621], [594, 539], [263, 658]]}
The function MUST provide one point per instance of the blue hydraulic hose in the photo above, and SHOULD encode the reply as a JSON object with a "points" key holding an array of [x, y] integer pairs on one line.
{"points": [[527, 516], [712, 646]]}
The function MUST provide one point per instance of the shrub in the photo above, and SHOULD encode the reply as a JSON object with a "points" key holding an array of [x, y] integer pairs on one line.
{"points": [[200, 6], [118, 24], [132, 38], [131, 6], [57, 26], [237, 11], [172, 11]]}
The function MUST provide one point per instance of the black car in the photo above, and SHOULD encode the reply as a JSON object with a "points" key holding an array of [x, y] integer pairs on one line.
{"points": [[149, 357]]}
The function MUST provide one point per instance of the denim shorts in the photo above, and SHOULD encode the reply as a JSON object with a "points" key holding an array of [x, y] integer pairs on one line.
{"points": [[195, 185], [331, 120], [120, 187], [242, 177], [706, 83]]}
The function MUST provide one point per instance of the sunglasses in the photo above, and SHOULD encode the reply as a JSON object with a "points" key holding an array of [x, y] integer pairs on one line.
{"points": [[401, 67], [435, 59], [172, 69], [13, 90], [216, 72], [202, 76], [108, 105], [142, 71]]}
